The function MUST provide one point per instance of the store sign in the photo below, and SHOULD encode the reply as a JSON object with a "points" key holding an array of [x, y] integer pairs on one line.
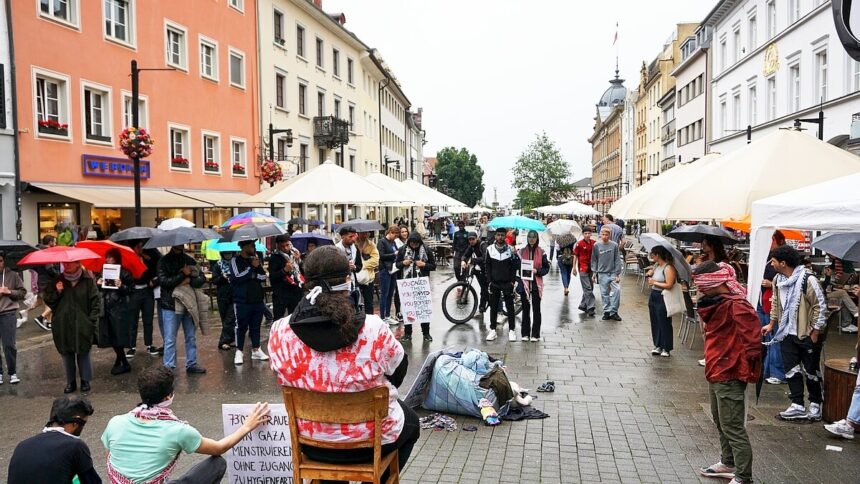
{"points": [[93, 165]]}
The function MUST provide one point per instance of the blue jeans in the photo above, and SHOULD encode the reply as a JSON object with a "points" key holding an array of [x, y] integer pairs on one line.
{"points": [[171, 329], [387, 286], [565, 273], [772, 365], [854, 410], [610, 292]]}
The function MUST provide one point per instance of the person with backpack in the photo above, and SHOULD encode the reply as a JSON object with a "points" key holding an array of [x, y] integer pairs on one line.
{"points": [[799, 307], [566, 259], [582, 265], [732, 360]]}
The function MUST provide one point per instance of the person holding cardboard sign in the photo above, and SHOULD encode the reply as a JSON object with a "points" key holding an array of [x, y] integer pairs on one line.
{"points": [[533, 258], [115, 321]]}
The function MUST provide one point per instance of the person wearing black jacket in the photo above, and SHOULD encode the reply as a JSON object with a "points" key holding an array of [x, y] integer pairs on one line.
{"points": [[175, 269], [346, 245], [501, 263], [415, 260], [387, 272], [114, 323], [532, 290], [285, 277], [224, 296], [246, 278], [459, 244], [474, 256], [142, 301]]}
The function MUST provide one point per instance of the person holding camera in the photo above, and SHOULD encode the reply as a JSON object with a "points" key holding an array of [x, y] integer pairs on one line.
{"points": [[246, 279]]}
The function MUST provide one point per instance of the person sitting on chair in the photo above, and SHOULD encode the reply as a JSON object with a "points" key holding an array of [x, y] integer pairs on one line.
{"points": [[330, 345]]}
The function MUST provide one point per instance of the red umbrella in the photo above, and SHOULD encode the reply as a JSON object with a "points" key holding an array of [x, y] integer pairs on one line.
{"points": [[130, 261], [58, 255]]}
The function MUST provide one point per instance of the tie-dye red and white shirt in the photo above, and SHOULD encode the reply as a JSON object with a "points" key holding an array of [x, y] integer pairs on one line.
{"points": [[355, 368]]}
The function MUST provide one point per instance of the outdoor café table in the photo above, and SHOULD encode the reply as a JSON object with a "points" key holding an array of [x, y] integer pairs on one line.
{"points": [[839, 383]]}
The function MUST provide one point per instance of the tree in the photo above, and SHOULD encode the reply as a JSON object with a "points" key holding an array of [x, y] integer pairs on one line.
{"points": [[541, 176], [459, 175]]}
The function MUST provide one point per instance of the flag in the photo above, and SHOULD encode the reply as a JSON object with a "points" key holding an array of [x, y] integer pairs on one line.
{"points": [[614, 40]]}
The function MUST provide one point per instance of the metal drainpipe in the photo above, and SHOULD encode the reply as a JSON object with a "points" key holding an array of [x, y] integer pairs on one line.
{"points": [[12, 81], [379, 101]]}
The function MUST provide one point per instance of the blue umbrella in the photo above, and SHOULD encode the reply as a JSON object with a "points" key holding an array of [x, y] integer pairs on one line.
{"points": [[517, 222], [300, 241], [234, 247]]}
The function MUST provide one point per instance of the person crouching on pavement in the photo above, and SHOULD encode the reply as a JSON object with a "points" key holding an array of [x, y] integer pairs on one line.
{"points": [[144, 445], [502, 264], [533, 289], [733, 348]]}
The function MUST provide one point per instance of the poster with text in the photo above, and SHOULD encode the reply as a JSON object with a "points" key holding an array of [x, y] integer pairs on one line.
{"points": [[416, 304], [265, 455]]}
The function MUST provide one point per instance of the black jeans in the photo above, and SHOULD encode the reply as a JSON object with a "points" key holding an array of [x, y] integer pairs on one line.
{"points": [[228, 319], [458, 269], [802, 357], [142, 305], [661, 324], [284, 300], [485, 292], [404, 443], [506, 292], [8, 327], [367, 295], [528, 329], [249, 317]]}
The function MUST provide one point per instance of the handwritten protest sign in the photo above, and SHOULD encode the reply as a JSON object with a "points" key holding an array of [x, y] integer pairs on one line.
{"points": [[265, 455], [416, 304]]}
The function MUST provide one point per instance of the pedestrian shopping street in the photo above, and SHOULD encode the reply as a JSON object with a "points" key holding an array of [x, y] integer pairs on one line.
{"points": [[618, 414]]}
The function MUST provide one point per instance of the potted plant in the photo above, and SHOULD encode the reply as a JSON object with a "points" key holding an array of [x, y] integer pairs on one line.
{"points": [[238, 169], [179, 162], [271, 172], [211, 166], [49, 126], [135, 142]]}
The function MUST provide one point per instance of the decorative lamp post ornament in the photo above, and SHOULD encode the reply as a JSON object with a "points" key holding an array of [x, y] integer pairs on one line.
{"points": [[271, 172], [135, 143]]}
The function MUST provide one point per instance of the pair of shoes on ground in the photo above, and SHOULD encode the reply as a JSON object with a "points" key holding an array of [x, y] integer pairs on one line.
{"points": [[842, 428], [661, 352], [548, 386], [408, 337], [512, 336], [721, 470], [799, 412], [72, 386], [256, 354], [851, 328], [13, 379], [533, 339], [611, 316]]}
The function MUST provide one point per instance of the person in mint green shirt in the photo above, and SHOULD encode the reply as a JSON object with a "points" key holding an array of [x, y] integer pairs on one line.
{"points": [[145, 444]]}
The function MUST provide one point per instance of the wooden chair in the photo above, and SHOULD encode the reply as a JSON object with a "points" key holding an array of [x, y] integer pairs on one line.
{"points": [[340, 408]]}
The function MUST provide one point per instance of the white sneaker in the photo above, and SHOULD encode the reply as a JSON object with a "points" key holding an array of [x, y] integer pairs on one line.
{"points": [[665, 354], [1, 378], [656, 351], [702, 362], [492, 335], [841, 428], [534, 339], [524, 338], [512, 335], [851, 328], [774, 381], [793, 412], [814, 412], [258, 354], [13, 379], [237, 360]]}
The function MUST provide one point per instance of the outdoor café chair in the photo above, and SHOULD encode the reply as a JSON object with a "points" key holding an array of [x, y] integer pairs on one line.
{"points": [[340, 408]]}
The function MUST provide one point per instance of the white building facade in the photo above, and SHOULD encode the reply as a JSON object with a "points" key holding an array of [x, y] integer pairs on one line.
{"points": [[8, 154], [777, 61], [628, 142], [692, 82]]}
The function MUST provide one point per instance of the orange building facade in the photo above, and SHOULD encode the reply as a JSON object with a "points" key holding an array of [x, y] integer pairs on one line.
{"points": [[72, 63]]}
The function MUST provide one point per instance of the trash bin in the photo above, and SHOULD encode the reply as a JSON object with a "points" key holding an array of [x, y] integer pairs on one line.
{"points": [[839, 382]]}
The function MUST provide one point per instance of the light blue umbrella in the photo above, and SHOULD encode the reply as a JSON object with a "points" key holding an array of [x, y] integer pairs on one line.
{"points": [[517, 222], [234, 247]]}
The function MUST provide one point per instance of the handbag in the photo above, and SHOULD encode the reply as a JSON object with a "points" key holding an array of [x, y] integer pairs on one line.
{"points": [[362, 277], [674, 300]]}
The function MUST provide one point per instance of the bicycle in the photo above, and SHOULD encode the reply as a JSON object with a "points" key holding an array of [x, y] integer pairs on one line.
{"points": [[462, 307]]}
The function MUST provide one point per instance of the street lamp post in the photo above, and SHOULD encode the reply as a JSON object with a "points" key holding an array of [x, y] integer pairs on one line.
{"points": [[819, 121]]}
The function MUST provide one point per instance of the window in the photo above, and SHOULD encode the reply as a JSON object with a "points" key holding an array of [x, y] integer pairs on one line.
{"points": [[141, 111], [300, 41], [352, 163], [65, 11], [237, 156], [320, 54], [303, 157], [771, 19], [209, 59], [771, 98], [238, 5], [351, 117], [794, 88], [278, 24], [736, 110], [321, 154], [237, 68], [752, 105], [179, 148], [282, 149], [821, 75], [736, 39], [338, 159], [350, 71], [97, 114], [280, 90], [303, 91], [176, 47], [320, 104], [723, 54], [723, 117], [335, 63], [853, 75], [119, 20], [793, 11], [211, 153], [337, 108], [52, 106], [752, 32]]}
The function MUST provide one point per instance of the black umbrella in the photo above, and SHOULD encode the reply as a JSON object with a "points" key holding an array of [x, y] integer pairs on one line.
{"points": [[180, 236], [15, 250], [697, 233], [253, 231], [363, 225], [760, 381], [298, 221], [649, 240], [135, 233], [842, 245]]}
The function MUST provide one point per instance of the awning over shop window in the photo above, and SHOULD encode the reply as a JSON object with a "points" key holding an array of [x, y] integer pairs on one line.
{"points": [[121, 197], [214, 198]]}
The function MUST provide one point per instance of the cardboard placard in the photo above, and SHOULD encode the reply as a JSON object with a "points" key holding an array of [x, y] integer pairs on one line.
{"points": [[416, 302], [265, 455], [110, 274], [527, 269]]}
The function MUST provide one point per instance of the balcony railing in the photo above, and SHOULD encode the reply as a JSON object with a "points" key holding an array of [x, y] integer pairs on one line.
{"points": [[330, 131], [667, 132]]}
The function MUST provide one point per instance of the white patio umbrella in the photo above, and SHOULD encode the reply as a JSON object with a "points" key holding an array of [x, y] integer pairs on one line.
{"points": [[428, 195], [394, 189], [459, 210], [726, 188], [174, 223], [568, 208]]}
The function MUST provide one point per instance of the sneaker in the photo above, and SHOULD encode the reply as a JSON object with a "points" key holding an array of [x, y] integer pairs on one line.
{"points": [[665, 354], [590, 312], [534, 339], [841, 428], [774, 381], [702, 362], [406, 338], [428, 338], [718, 470], [736, 480], [40, 320], [195, 370], [258, 354], [152, 350], [13, 379], [237, 359], [656, 351], [793, 412], [606, 317], [130, 353], [512, 335], [851, 328], [492, 335], [814, 414], [1, 378], [615, 317]]}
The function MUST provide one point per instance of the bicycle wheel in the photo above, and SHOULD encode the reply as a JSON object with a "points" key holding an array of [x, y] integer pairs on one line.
{"points": [[460, 303], [518, 305]]}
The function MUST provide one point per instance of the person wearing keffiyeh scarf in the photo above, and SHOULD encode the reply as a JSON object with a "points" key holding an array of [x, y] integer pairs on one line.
{"points": [[144, 445], [798, 304], [414, 260]]}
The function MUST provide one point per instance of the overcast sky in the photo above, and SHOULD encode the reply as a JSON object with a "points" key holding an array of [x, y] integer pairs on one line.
{"points": [[491, 74]]}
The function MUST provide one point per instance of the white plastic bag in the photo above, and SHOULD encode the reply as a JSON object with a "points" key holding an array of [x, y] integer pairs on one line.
{"points": [[674, 300]]}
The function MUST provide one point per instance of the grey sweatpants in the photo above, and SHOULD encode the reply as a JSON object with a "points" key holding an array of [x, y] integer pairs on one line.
{"points": [[588, 300]]}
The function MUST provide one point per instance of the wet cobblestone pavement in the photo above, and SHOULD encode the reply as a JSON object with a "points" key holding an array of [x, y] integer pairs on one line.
{"points": [[618, 414]]}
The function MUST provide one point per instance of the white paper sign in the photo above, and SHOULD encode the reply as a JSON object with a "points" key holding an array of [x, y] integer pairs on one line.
{"points": [[264, 456], [416, 303], [527, 270], [110, 274]]}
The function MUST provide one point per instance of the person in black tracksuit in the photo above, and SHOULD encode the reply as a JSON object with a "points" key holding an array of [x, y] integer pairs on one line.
{"points": [[474, 256], [224, 295], [285, 277], [142, 300], [501, 263], [246, 278], [459, 244]]}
